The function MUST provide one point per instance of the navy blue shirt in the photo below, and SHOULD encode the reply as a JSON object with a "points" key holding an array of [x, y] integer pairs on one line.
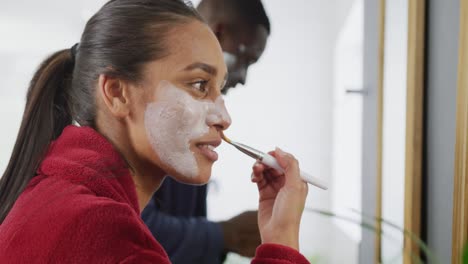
{"points": [[176, 215]]}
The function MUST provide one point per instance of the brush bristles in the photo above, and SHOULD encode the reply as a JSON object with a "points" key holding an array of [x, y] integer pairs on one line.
{"points": [[225, 138]]}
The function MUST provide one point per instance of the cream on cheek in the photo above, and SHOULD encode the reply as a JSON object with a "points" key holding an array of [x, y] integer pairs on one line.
{"points": [[176, 119]]}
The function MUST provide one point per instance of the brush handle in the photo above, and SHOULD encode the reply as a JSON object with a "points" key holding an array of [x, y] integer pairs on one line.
{"points": [[271, 162]]}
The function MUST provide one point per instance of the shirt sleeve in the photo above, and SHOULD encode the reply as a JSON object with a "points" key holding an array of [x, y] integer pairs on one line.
{"points": [[278, 254], [185, 239]]}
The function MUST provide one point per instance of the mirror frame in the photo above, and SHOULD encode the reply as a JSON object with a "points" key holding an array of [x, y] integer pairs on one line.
{"points": [[414, 128], [460, 189]]}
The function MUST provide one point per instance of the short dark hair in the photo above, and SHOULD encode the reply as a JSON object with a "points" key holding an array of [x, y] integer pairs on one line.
{"points": [[251, 11]]}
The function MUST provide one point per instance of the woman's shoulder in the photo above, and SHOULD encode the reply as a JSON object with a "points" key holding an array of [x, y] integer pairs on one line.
{"points": [[54, 206], [57, 220]]}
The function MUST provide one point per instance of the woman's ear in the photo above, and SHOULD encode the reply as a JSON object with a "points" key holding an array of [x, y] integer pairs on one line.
{"points": [[115, 95]]}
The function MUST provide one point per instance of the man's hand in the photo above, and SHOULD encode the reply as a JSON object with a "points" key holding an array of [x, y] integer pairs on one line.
{"points": [[241, 234]]}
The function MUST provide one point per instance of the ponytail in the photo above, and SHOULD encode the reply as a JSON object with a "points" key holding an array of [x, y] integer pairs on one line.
{"points": [[45, 116]]}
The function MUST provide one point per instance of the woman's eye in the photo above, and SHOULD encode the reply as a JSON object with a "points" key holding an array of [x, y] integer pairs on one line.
{"points": [[200, 86]]}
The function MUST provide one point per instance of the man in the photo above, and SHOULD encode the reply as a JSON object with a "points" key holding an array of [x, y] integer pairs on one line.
{"points": [[176, 214]]}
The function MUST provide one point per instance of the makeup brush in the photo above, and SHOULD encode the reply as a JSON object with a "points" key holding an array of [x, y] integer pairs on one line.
{"points": [[271, 162]]}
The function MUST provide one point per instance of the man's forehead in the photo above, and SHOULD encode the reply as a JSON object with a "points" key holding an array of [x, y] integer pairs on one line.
{"points": [[253, 38]]}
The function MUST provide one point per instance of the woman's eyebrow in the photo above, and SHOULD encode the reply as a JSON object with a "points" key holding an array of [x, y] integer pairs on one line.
{"points": [[203, 66]]}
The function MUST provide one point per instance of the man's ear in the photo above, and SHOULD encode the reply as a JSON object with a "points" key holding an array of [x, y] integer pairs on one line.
{"points": [[114, 93], [219, 30]]}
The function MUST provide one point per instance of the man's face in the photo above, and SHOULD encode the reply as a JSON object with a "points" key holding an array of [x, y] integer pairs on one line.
{"points": [[242, 47]]}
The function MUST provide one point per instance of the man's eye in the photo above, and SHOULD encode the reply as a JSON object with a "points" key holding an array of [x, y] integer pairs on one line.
{"points": [[200, 86]]}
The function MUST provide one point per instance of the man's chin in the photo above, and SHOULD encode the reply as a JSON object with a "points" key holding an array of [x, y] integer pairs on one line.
{"points": [[224, 91]]}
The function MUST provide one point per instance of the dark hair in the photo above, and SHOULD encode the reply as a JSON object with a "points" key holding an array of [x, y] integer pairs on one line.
{"points": [[250, 11], [117, 41]]}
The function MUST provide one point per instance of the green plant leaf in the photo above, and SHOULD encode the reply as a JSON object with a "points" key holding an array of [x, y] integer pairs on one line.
{"points": [[465, 254], [370, 226]]}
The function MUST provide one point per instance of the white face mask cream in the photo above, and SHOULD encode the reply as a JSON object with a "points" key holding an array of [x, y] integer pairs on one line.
{"points": [[230, 59], [175, 119]]}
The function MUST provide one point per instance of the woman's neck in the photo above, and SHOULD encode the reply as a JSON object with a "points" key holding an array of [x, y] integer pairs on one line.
{"points": [[147, 177], [146, 185]]}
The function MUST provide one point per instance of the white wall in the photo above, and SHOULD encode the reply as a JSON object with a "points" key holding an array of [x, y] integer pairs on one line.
{"points": [[347, 133], [288, 102], [30, 31]]}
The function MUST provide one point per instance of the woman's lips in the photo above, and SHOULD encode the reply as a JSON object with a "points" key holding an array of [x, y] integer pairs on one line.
{"points": [[208, 152], [207, 149]]}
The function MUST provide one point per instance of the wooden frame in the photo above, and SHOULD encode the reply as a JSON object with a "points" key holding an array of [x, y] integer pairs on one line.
{"points": [[380, 106], [460, 190], [414, 127]]}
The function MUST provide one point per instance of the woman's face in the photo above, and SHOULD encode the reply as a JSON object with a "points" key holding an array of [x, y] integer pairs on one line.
{"points": [[178, 124]]}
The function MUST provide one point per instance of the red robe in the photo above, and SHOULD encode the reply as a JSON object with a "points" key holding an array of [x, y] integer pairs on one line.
{"points": [[82, 207]]}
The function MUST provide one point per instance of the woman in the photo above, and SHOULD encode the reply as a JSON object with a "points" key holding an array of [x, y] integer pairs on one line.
{"points": [[144, 86]]}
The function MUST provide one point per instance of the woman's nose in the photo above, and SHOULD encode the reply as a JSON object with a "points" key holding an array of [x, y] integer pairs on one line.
{"points": [[219, 116], [224, 123]]}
